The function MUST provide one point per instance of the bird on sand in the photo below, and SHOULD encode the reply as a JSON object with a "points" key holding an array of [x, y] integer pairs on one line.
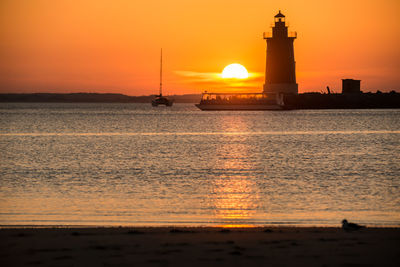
{"points": [[351, 226]]}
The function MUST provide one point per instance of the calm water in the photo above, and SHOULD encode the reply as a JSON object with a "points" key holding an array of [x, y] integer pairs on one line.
{"points": [[132, 164]]}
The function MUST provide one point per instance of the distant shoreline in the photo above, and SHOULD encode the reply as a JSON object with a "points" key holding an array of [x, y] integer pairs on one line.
{"points": [[91, 98], [300, 101]]}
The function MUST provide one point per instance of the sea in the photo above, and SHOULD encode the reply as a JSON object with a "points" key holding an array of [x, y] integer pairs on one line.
{"points": [[91, 164]]}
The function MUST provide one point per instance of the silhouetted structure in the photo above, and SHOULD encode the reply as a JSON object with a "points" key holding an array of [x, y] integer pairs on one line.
{"points": [[280, 71], [343, 101], [328, 89], [350, 86]]}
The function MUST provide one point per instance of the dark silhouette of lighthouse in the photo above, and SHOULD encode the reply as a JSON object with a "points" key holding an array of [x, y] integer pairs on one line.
{"points": [[280, 71]]}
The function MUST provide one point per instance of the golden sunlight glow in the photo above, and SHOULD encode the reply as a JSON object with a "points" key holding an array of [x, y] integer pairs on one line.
{"points": [[236, 71], [236, 194], [69, 46]]}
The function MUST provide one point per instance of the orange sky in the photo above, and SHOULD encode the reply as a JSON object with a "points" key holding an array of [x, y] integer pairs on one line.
{"points": [[114, 46]]}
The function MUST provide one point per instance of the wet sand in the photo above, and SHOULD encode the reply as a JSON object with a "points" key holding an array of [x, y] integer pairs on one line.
{"points": [[162, 246]]}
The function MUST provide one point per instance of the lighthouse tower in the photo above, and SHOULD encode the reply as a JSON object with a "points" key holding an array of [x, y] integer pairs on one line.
{"points": [[280, 73]]}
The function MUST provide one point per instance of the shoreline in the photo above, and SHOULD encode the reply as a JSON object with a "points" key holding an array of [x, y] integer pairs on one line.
{"points": [[189, 226], [200, 246]]}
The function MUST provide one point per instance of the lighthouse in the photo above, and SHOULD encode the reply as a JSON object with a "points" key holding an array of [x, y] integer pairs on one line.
{"points": [[280, 71]]}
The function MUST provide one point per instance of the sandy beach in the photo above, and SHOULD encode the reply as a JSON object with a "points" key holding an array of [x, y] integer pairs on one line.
{"points": [[167, 246]]}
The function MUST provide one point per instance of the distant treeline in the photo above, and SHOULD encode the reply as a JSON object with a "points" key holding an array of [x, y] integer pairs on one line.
{"points": [[343, 101], [92, 98]]}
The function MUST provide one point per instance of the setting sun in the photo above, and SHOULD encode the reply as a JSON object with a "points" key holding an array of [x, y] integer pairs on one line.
{"points": [[236, 71]]}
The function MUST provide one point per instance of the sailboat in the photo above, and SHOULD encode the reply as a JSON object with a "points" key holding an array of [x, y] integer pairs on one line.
{"points": [[160, 99]]}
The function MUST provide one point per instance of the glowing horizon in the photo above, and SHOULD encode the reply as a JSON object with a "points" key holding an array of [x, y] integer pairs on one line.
{"points": [[113, 47]]}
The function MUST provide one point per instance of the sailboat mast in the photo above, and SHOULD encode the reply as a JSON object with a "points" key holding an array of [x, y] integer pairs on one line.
{"points": [[161, 74]]}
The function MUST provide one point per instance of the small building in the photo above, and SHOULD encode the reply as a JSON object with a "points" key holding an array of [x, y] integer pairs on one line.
{"points": [[350, 86]]}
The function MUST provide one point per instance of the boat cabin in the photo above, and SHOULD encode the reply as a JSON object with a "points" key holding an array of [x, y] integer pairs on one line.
{"points": [[238, 98]]}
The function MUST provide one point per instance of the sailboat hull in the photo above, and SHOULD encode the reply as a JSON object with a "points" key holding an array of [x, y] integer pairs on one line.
{"points": [[162, 101]]}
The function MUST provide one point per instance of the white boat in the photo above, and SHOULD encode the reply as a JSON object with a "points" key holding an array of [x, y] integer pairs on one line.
{"points": [[241, 101]]}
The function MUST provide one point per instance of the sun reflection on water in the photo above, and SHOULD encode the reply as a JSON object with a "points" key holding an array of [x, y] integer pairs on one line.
{"points": [[120, 164], [234, 190]]}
